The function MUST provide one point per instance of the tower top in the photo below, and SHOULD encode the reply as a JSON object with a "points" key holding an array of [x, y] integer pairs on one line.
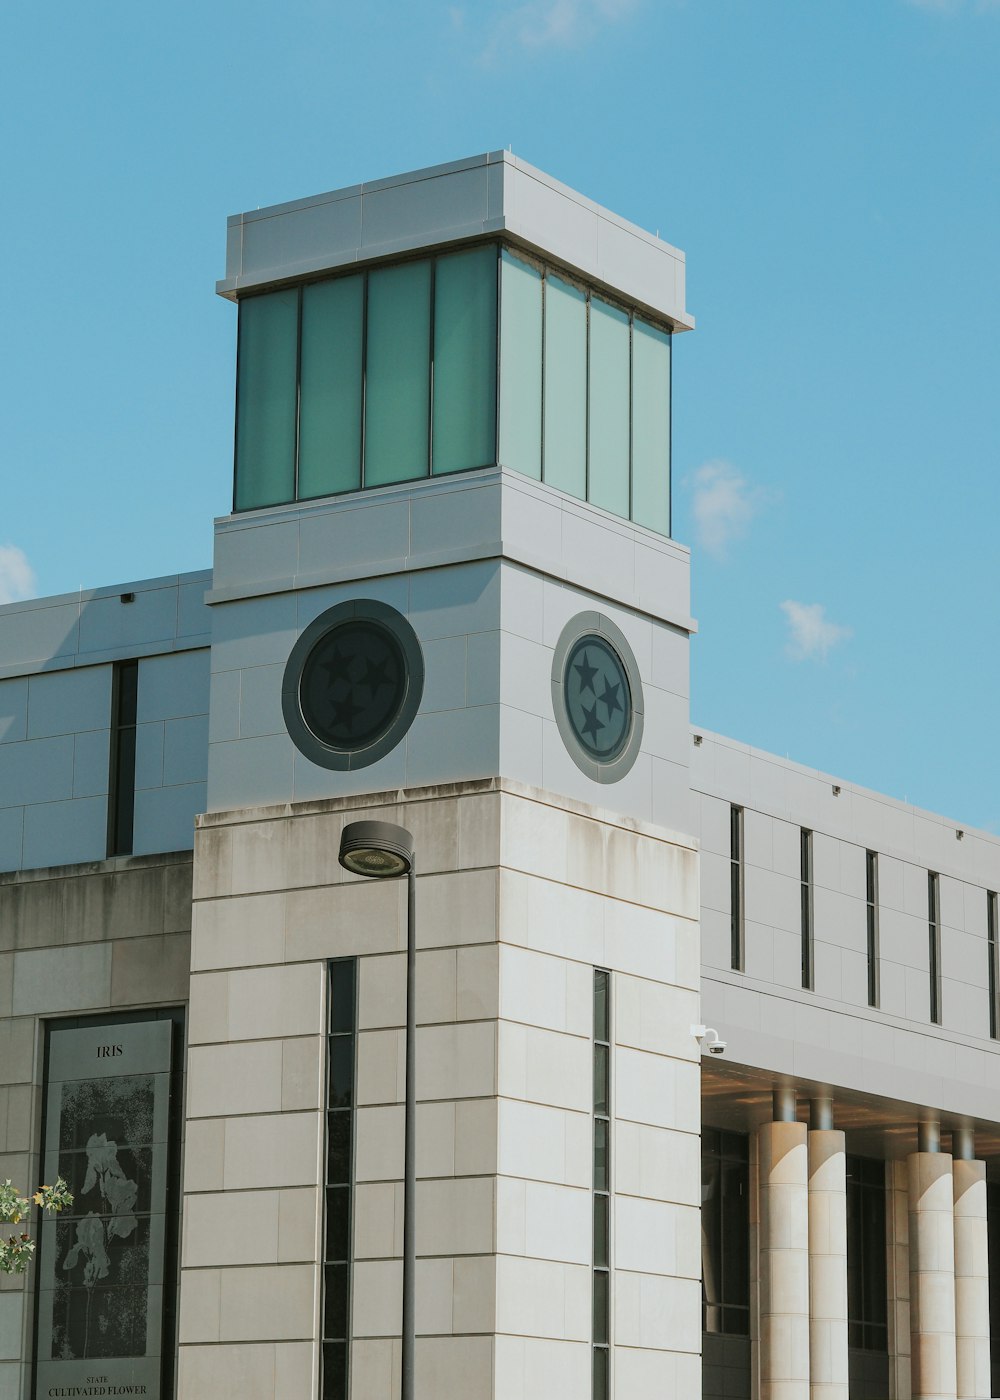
{"points": [[481, 196]]}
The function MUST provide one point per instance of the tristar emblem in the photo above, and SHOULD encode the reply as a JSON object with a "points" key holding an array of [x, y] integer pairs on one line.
{"points": [[597, 697]]}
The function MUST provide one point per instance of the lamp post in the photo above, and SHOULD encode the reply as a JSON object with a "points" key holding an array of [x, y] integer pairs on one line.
{"points": [[382, 851]]}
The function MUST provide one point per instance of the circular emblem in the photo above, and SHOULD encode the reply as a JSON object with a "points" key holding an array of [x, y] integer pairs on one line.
{"points": [[352, 684], [597, 697]]}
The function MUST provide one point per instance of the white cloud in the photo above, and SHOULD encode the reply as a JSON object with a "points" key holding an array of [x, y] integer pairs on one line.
{"points": [[723, 505], [811, 633], [539, 24], [17, 577]]}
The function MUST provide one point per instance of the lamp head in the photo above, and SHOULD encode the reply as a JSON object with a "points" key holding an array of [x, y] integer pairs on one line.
{"points": [[376, 849]]}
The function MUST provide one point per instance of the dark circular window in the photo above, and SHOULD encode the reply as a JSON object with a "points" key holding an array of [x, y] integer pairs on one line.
{"points": [[597, 697], [352, 684]]}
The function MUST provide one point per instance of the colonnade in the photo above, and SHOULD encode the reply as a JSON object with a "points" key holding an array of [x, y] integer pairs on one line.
{"points": [[803, 1261]]}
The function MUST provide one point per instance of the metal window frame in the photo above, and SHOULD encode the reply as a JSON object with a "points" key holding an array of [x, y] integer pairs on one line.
{"points": [[992, 935], [806, 907], [934, 944], [872, 928], [121, 776], [607, 1270], [327, 1039], [737, 890]]}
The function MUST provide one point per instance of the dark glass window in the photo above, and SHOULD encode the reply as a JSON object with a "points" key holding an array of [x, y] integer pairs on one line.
{"points": [[121, 786], [867, 1285], [934, 943], [736, 888], [806, 902], [725, 1232], [342, 1024], [993, 1244], [602, 1182], [992, 932], [871, 897]]}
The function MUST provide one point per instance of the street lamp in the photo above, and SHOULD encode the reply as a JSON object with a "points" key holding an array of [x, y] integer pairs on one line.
{"points": [[382, 851]]}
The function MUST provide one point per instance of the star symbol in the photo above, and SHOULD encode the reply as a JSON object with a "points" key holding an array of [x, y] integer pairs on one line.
{"points": [[611, 697], [376, 674], [344, 711], [586, 672], [338, 668], [591, 724]]}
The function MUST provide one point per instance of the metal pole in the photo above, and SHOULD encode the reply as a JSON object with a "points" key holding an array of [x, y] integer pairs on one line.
{"points": [[409, 1143]]}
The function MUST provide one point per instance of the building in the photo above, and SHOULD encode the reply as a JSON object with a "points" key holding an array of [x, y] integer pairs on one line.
{"points": [[448, 597]]}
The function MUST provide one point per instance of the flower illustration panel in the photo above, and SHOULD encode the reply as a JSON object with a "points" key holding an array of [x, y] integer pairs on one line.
{"points": [[101, 1264]]}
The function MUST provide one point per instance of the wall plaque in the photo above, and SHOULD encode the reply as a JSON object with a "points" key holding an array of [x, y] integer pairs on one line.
{"points": [[101, 1264]]}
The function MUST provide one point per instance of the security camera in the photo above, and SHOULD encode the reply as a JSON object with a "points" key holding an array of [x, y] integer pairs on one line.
{"points": [[710, 1039]]}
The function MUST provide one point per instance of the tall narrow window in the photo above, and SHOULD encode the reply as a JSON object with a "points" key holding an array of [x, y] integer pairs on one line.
{"points": [[736, 888], [934, 942], [520, 365], [867, 1282], [871, 897], [465, 360], [992, 922], [609, 421], [121, 785], [339, 1179], [993, 1252], [602, 1184], [806, 904], [725, 1254], [398, 373], [266, 399]]}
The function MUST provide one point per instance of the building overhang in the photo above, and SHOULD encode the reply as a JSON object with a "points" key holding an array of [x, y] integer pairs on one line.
{"points": [[490, 195]]}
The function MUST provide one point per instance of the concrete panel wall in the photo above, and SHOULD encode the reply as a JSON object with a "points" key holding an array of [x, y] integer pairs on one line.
{"points": [[56, 666], [518, 900], [830, 1034], [488, 569]]}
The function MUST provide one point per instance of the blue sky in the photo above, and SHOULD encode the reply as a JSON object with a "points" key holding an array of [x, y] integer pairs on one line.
{"points": [[831, 170]]}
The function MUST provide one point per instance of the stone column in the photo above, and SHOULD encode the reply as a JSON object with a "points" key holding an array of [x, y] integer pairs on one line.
{"points": [[828, 1376], [972, 1284], [784, 1255], [932, 1269]]}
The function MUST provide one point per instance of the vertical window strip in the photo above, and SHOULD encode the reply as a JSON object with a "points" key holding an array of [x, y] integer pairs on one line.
{"points": [[992, 921], [867, 1283], [338, 1231], [736, 898], [121, 785], [871, 899], [934, 943], [602, 1186], [806, 900]]}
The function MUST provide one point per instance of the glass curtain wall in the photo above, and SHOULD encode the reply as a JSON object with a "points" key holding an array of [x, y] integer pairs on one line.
{"points": [[584, 394], [395, 374], [367, 379]]}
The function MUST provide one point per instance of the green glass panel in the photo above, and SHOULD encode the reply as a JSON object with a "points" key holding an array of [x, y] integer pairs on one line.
{"points": [[520, 366], [265, 400], [609, 407], [397, 377], [565, 387], [330, 387], [465, 360], [651, 427]]}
